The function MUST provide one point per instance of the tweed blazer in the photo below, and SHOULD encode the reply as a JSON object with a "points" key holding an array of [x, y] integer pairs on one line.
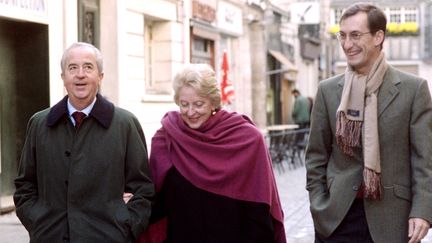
{"points": [[405, 137]]}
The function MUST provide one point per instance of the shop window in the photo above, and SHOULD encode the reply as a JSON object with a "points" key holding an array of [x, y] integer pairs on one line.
{"points": [[202, 51]]}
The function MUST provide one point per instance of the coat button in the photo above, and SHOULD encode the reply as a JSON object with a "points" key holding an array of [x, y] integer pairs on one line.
{"points": [[66, 238], [67, 153], [355, 188]]}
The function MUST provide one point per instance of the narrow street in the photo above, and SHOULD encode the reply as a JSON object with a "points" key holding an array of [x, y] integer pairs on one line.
{"points": [[293, 195], [295, 204]]}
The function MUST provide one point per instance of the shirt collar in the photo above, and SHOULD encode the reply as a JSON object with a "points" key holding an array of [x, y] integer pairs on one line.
{"points": [[103, 111], [86, 110]]}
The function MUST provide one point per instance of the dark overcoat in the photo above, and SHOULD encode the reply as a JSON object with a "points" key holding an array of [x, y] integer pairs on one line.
{"points": [[405, 132], [71, 182]]}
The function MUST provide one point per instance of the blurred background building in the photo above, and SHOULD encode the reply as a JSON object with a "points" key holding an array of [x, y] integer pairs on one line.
{"points": [[272, 47], [408, 44]]}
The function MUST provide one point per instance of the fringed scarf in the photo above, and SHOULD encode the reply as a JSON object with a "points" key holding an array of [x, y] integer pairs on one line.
{"points": [[357, 117]]}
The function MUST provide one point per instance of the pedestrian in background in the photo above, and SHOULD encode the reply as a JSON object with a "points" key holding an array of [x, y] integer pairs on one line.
{"points": [[74, 170], [301, 110], [212, 171], [369, 168]]}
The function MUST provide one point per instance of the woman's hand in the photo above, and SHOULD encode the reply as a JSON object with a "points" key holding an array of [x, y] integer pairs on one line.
{"points": [[127, 196]]}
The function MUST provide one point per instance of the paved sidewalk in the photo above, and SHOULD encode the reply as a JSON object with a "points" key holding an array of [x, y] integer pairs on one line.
{"points": [[295, 203], [294, 198], [11, 229]]}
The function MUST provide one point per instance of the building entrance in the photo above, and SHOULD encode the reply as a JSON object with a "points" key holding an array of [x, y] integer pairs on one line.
{"points": [[24, 89]]}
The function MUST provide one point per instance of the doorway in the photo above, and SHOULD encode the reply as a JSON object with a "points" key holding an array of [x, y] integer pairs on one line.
{"points": [[24, 89]]}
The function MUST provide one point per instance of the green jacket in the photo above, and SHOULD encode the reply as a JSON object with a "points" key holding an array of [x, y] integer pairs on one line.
{"points": [[301, 111], [71, 182], [405, 131]]}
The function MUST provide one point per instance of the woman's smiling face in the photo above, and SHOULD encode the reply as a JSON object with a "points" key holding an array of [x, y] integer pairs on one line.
{"points": [[195, 110]]}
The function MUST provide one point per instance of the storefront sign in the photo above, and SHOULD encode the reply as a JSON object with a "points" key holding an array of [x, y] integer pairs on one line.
{"points": [[203, 11], [229, 18], [31, 10]]}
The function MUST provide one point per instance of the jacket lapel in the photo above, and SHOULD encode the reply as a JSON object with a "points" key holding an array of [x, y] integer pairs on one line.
{"points": [[340, 88], [388, 90]]}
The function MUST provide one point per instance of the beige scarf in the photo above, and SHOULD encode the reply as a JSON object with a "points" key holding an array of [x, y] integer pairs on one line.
{"points": [[357, 117]]}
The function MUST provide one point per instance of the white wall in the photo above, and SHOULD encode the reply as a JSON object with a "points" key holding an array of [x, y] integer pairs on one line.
{"points": [[62, 32]]}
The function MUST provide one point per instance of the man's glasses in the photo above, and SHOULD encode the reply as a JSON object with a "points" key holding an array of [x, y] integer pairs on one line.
{"points": [[353, 36]]}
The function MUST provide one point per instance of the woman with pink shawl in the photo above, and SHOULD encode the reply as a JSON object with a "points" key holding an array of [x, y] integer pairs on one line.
{"points": [[212, 171]]}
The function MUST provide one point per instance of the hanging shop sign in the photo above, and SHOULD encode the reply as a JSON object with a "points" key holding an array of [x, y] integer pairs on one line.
{"points": [[229, 18]]}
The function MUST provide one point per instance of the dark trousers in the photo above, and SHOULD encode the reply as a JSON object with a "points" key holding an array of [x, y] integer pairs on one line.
{"points": [[352, 229]]}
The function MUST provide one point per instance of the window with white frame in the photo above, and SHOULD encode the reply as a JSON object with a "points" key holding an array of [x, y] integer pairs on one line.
{"points": [[402, 14], [149, 57], [395, 15], [410, 14], [337, 13]]}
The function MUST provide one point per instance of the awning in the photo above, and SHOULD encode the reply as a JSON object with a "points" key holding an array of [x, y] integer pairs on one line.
{"points": [[287, 66], [204, 30], [282, 59]]}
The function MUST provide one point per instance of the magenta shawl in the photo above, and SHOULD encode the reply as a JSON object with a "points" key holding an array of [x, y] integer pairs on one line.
{"points": [[227, 156]]}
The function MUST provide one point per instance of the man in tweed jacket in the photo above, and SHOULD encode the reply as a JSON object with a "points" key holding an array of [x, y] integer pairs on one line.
{"points": [[370, 186]]}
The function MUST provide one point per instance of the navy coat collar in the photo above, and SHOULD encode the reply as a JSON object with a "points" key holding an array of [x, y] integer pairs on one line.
{"points": [[103, 111]]}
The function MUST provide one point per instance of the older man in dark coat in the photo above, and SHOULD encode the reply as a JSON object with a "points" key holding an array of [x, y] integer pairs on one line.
{"points": [[74, 171]]}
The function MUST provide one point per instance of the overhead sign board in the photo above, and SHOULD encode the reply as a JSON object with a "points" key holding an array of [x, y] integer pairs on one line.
{"points": [[305, 12], [229, 18], [27, 10]]}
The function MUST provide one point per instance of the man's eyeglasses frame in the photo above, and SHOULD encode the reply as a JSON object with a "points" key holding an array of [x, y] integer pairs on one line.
{"points": [[353, 36]]}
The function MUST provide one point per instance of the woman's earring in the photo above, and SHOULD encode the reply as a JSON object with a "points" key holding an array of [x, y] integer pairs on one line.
{"points": [[213, 112]]}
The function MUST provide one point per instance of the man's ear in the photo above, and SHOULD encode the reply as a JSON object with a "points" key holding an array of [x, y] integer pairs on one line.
{"points": [[379, 38]]}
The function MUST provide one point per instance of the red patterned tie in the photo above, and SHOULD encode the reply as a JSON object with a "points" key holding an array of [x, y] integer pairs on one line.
{"points": [[79, 117]]}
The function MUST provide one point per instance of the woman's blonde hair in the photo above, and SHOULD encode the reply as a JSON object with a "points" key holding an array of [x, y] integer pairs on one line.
{"points": [[200, 77]]}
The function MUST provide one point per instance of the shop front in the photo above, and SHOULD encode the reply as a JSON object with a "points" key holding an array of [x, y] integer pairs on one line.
{"points": [[24, 82]]}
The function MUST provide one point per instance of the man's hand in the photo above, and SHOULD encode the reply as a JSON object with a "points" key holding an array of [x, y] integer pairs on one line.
{"points": [[127, 196], [417, 229]]}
